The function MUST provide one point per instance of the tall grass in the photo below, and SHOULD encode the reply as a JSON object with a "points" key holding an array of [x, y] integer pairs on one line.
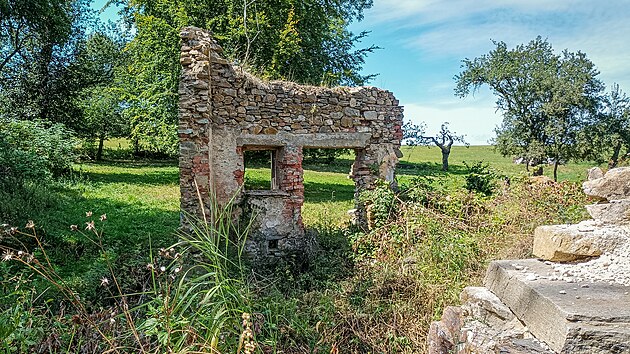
{"points": [[194, 302]]}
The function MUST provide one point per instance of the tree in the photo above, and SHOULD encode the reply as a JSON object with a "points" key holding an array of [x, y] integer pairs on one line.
{"points": [[39, 41], [303, 41], [612, 130], [444, 139], [99, 101], [546, 99]]}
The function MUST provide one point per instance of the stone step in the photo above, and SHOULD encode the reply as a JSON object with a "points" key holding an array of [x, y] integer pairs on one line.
{"points": [[591, 317]]}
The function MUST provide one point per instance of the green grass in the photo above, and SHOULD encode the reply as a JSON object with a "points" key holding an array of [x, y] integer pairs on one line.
{"points": [[329, 193], [141, 201], [422, 160], [338, 287]]}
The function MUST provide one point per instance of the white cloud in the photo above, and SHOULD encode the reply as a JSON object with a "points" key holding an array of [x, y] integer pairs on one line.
{"points": [[424, 12], [436, 30]]}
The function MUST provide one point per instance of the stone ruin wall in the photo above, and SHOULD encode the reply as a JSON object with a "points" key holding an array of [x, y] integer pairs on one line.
{"points": [[224, 111]]}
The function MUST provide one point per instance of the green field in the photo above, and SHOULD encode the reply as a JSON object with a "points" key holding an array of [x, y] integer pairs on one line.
{"points": [[329, 192], [141, 199]]}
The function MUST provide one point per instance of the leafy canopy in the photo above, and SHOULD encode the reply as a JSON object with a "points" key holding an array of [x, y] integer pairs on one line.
{"points": [[546, 99]]}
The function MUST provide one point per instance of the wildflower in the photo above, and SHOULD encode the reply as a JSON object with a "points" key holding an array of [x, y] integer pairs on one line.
{"points": [[13, 230], [104, 281], [103, 217], [90, 225], [88, 214], [163, 269], [177, 269], [7, 256], [20, 253], [74, 227], [30, 224], [150, 266], [112, 320]]}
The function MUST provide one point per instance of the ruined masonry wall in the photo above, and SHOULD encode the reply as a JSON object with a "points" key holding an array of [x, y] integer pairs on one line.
{"points": [[223, 111]]}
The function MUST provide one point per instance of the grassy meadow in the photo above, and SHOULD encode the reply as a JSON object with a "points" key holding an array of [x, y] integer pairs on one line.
{"points": [[374, 291], [329, 193]]}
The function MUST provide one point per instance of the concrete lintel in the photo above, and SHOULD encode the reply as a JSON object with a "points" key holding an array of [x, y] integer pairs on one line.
{"points": [[317, 140], [570, 318]]}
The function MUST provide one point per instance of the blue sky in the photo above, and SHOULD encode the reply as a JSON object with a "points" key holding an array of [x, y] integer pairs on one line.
{"points": [[424, 42]]}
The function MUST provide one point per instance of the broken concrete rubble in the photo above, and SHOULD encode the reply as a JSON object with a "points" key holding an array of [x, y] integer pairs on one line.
{"points": [[613, 185], [568, 243], [556, 307]]}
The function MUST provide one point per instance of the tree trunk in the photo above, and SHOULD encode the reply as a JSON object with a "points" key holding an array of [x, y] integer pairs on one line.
{"points": [[527, 165], [99, 152], [445, 154], [555, 169], [43, 72], [614, 160]]}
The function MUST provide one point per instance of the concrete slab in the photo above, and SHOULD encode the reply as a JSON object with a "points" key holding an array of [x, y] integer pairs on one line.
{"points": [[589, 317]]}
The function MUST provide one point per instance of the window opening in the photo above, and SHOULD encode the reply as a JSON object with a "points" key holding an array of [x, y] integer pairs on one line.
{"points": [[261, 170]]}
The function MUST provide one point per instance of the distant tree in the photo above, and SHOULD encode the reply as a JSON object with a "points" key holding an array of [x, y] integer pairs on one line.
{"points": [[546, 99], [612, 131], [444, 139], [100, 102]]}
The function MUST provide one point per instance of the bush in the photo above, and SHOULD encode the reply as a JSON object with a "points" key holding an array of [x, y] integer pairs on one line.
{"points": [[33, 151], [323, 155], [480, 178]]}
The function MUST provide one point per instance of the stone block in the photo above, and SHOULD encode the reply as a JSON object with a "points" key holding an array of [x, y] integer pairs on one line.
{"points": [[567, 243], [346, 122], [615, 184], [443, 335], [370, 115], [483, 304], [270, 130], [613, 212], [567, 317]]}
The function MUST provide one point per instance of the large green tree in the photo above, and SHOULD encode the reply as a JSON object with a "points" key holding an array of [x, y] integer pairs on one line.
{"points": [[546, 99], [39, 42], [99, 101], [303, 41]]}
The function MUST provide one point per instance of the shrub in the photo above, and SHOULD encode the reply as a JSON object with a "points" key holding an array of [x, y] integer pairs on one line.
{"points": [[323, 155], [480, 178], [33, 151], [194, 302]]}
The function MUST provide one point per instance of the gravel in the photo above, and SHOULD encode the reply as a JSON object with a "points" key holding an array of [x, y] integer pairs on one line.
{"points": [[612, 267]]}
